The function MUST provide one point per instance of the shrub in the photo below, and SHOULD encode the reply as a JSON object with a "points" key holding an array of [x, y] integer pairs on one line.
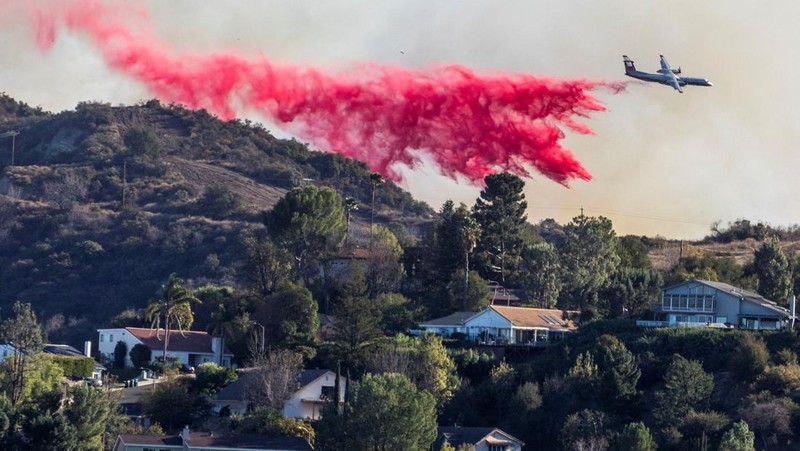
{"points": [[210, 377], [140, 355]]}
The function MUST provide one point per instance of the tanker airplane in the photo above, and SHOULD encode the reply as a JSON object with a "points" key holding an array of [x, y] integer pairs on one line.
{"points": [[666, 75]]}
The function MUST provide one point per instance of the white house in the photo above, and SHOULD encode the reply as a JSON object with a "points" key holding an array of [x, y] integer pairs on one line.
{"points": [[316, 388], [703, 303], [189, 347], [501, 325], [483, 439]]}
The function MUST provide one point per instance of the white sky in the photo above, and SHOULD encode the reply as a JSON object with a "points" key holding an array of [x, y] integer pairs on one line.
{"points": [[663, 163]]}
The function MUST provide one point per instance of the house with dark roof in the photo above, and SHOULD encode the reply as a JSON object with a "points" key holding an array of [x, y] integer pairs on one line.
{"points": [[502, 325], [482, 438], [703, 303], [203, 441], [191, 348], [315, 388], [69, 351]]}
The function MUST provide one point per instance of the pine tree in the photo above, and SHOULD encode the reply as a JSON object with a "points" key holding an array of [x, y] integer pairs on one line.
{"points": [[773, 272]]}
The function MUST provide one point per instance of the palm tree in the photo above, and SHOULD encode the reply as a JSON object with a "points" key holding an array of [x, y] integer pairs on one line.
{"points": [[223, 324], [350, 205], [173, 309], [469, 229], [376, 180]]}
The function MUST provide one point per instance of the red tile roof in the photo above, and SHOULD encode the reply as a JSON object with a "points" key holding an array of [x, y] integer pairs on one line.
{"points": [[179, 341]]}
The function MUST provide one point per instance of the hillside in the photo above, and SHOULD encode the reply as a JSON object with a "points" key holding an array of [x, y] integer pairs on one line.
{"points": [[105, 202]]}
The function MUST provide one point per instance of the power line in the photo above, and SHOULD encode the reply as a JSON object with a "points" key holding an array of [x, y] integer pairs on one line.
{"points": [[627, 215]]}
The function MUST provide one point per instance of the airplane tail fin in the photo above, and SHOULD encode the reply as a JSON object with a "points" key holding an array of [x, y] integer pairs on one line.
{"points": [[629, 67]]}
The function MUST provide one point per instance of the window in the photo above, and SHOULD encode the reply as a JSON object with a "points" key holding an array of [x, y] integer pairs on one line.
{"points": [[498, 447], [101, 338], [111, 338], [327, 393]]}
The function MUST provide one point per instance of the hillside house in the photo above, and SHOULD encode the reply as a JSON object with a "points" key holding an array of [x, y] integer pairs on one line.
{"points": [[482, 438], [191, 348], [203, 441], [502, 325], [702, 303], [315, 389]]}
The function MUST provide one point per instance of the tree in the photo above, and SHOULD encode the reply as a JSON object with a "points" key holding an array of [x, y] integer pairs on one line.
{"points": [[630, 291], [424, 360], [23, 332], [143, 142], [585, 430], [619, 374], [384, 269], [268, 421], [310, 223], [770, 417], [171, 405], [350, 205], [290, 316], [267, 265], [541, 274], [687, 387], [588, 257], [224, 317], [140, 355], [275, 377], [210, 377], [173, 310], [387, 413], [375, 180], [357, 329], [635, 437], [219, 202], [772, 270], [88, 411], [633, 252], [738, 438], [500, 213], [474, 298], [751, 357], [120, 351]]}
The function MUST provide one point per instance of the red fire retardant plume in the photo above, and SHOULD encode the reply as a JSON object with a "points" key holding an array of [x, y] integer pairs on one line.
{"points": [[470, 124]]}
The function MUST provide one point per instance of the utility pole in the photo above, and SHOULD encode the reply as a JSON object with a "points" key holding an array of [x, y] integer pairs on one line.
{"points": [[124, 181]]}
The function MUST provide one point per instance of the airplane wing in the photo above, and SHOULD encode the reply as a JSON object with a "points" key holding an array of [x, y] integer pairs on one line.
{"points": [[664, 64]]}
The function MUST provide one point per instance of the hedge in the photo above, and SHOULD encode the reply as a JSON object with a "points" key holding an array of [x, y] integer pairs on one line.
{"points": [[74, 366]]}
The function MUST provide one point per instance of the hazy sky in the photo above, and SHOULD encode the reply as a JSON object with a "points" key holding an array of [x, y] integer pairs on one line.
{"points": [[663, 163]]}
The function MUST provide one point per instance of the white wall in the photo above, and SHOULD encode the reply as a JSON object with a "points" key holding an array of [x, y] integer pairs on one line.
{"points": [[108, 339], [296, 408]]}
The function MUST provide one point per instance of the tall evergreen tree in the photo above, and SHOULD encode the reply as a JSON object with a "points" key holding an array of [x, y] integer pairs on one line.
{"points": [[619, 374], [500, 213], [773, 272], [687, 387]]}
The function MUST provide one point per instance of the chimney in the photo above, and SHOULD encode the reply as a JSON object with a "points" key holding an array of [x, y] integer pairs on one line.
{"points": [[87, 348], [216, 348], [185, 435]]}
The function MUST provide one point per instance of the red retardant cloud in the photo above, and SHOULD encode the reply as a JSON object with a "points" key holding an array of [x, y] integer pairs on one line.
{"points": [[470, 124]]}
